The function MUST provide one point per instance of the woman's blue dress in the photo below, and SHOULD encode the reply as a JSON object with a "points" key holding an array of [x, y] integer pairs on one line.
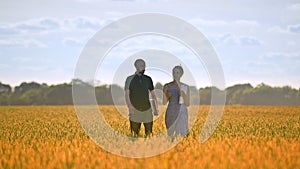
{"points": [[177, 115]]}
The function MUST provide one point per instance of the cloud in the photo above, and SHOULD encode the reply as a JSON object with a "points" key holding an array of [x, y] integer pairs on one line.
{"points": [[294, 7], [231, 39], [249, 41], [37, 25], [125, 0], [291, 13], [4, 66], [285, 29], [73, 42], [86, 1], [49, 23], [277, 55], [7, 31], [46, 25], [22, 43], [233, 32], [294, 28], [82, 23], [290, 62], [286, 64], [32, 26], [228, 39], [21, 59], [245, 23], [26, 33], [146, 1], [275, 65], [224, 23], [276, 29], [204, 22]]}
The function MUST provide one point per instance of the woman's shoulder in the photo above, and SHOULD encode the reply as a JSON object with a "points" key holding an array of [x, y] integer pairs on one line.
{"points": [[184, 84], [168, 84]]}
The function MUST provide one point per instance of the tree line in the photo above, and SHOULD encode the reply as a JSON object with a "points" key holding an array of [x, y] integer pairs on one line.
{"points": [[61, 94]]}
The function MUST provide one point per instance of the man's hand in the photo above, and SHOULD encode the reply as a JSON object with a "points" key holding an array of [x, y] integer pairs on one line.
{"points": [[131, 110], [157, 110]]}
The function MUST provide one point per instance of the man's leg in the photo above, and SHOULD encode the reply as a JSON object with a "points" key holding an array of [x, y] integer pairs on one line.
{"points": [[148, 128], [135, 128], [148, 122]]}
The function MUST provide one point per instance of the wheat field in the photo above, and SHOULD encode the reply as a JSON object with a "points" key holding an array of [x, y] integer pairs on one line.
{"points": [[247, 137]]}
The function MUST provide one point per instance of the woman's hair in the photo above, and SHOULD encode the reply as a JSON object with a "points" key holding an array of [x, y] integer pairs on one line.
{"points": [[180, 68]]}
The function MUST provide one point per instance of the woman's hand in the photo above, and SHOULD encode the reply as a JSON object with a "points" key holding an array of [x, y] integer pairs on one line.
{"points": [[177, 83], [182, 93]]}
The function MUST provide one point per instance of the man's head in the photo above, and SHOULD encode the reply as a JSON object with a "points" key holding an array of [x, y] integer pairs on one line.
{"points": [[140, 66]]}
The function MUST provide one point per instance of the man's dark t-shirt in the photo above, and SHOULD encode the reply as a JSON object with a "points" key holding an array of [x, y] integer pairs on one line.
{"points": [[139, 87]]}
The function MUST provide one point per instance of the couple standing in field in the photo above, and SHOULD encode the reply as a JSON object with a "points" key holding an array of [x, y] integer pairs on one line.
{"points": [[176, 94]]}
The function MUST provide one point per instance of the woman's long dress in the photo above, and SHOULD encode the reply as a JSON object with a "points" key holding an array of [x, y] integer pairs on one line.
{"points": [[177, 115]]}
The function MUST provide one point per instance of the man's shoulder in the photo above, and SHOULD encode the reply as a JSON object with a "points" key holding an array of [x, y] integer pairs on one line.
{"points": [[130, 77], [128, 81], [146, 76]]}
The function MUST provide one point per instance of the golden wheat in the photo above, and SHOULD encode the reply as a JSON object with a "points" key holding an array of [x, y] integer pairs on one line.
{"points": [[247, 137]]}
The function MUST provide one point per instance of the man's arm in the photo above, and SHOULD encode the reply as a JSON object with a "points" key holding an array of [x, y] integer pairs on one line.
{"points": [[127, 93], [128, 103]]}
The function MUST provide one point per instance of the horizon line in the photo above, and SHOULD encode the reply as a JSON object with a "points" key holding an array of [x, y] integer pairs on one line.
{"points": [[97, 85]]}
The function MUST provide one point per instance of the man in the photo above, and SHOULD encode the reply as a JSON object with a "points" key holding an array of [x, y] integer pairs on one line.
{"points": [[137, 89]]}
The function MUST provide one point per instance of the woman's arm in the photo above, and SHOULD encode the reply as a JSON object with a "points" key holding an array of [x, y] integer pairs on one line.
{"points": [[186, 97], [166, 95]]}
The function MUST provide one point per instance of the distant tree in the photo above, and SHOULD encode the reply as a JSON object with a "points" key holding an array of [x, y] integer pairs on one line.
{"points": [[5, 88], [103, 95], [158, 86], [32, 97], [4, 99], [59, 95], [234, 94], [23, 87], [290, 95], [159, 92], [5, 92], [39, 94], [29, 94], [117, 95], [194, 96], [266, 95], [206, 95]]}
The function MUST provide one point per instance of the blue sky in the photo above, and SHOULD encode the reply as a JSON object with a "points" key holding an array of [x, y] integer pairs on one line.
{"points": [[256, 41]]}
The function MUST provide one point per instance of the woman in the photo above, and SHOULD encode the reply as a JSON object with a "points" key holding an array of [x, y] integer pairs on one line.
{"points": [[177, 94]]}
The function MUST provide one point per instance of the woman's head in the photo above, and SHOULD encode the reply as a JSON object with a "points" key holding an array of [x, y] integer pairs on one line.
{"points": [[177, 72]]}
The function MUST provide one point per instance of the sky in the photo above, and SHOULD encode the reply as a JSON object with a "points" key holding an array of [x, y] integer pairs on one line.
{"points": [[255, 41]]}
